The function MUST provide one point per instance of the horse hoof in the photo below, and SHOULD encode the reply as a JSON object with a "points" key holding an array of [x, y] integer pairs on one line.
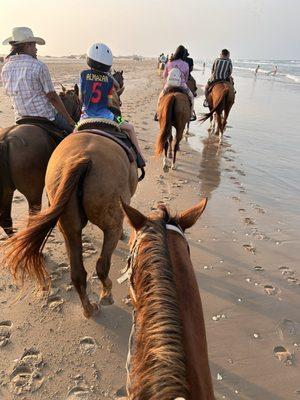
{"points": [[91, 311], [174, 167], [107, 300], [166, 168]]}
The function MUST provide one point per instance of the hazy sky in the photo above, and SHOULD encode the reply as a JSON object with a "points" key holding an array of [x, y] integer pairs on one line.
{"points": [[263, 29]]}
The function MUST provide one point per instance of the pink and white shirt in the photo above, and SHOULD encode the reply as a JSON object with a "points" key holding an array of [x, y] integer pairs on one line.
{"points": [[182, 66], [27, 81]]}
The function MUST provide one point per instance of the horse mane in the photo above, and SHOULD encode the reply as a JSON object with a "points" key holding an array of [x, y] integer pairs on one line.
{"points": [[158, 363]]}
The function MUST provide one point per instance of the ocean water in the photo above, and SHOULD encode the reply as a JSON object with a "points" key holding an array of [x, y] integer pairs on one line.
{"points": [[264, 133]]}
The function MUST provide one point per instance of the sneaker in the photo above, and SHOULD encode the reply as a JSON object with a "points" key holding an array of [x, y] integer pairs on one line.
{"points": [[205, 103]]}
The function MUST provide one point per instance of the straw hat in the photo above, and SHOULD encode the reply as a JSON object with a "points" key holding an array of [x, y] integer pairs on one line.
{"points": [[23, 35]]}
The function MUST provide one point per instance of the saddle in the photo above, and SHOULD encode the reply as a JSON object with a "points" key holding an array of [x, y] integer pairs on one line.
{"points": [[111, 130], [53, 131], [214, 83]]}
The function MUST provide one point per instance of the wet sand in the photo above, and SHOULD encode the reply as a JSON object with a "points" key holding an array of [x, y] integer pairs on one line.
{"points": [[244, 250]]}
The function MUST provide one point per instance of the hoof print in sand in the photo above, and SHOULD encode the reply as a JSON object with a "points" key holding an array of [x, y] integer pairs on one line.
{"points": [[78, 392], [248, 221], [26, 375], [5, 332], [88, 345], [55, 302], [270, 290], [283, 355], [249, 248]]}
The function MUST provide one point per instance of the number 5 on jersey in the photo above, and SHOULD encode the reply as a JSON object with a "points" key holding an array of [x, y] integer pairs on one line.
{"points": [[96, 92]]}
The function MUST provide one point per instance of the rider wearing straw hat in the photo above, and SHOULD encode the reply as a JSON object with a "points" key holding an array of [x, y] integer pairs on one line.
{"points": [[28, 83]]}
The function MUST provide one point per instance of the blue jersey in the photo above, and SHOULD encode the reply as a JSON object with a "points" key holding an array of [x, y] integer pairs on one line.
{"points": [[96, 89]]}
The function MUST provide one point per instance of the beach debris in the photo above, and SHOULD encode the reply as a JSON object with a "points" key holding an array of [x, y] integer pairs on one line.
{"points": [[249, 248], [5, 332], [217, 317], [88, 345], [256, 335], [270, 290], [219, 377], [283, 355], [26, 375]]}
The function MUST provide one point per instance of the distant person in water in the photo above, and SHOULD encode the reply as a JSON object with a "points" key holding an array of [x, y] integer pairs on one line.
{"points": [[256, 70], [204, 65], [274, 71]]}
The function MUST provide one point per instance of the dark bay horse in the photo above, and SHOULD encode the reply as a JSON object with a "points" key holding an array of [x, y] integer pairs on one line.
{"points": [[221, 99], [192, 85], [87, 175], [119, 89], [173, 110], [168, 356], [24, 154]]}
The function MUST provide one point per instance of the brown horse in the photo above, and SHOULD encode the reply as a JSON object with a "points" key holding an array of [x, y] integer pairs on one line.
{"points": [[221, 99], [24, 154], [119, 89], [173, 110], [87, 175], [168, 356]]}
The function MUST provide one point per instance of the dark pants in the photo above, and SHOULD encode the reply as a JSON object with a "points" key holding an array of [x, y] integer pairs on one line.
{"points": [[61, 122]]}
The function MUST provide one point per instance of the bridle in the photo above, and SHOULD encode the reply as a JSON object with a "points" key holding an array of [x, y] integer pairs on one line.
{"points": [[128, 271]]}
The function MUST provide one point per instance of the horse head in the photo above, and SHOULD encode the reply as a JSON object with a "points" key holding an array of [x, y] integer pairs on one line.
{"points": [[70, 98], [118, 76]]}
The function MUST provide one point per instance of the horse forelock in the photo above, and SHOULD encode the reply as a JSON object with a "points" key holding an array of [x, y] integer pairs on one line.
{"points": [[158, 363]]}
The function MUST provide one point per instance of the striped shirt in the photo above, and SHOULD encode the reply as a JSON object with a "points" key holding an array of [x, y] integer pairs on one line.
{"points": [[27, 81], [221, 69]]}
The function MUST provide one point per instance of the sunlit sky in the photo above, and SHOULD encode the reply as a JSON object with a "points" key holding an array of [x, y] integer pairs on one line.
{"points": [[250, 29]]}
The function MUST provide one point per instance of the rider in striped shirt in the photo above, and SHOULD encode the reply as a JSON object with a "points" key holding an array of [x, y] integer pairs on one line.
{"points": [[221, 71]]}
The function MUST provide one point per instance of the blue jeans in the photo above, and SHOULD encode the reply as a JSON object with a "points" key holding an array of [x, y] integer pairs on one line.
{"points": [[61, 122]]}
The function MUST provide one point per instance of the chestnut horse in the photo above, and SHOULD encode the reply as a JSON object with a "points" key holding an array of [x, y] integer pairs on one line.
{"points": [[24, 154], [168, 356], [174, 109], [86, 176], [221, 99]]}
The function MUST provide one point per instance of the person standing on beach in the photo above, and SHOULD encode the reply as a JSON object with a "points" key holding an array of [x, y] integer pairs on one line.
{"points": [[27, 81], [221, 71], [256, 70]]}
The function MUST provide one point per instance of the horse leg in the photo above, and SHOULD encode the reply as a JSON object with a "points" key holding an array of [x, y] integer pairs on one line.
{"points": [[179, 134], [71, 223], [166, 161], [110, 241], [170, 155], [5, 215], [219, 125]]}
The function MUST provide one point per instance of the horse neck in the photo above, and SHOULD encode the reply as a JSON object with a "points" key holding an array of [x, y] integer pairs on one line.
{"points": [[190, 307], [158, 364]]}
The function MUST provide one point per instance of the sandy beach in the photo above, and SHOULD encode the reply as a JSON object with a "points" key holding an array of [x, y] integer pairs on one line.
{"points": [[244, 250]]}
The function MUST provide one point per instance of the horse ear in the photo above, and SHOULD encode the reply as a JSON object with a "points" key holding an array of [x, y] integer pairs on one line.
{"points": [[136, 219], [189, 217], [76, 89]]}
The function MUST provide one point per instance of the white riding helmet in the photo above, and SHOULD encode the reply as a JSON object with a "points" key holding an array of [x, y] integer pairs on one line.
{"points": [[99, 57]]}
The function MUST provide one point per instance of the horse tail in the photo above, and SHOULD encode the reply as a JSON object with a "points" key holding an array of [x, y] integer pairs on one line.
{"points": [[23, 252], [205, 116], [165, 124]]}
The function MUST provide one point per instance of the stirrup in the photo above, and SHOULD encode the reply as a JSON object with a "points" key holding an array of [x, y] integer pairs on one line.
{"points": [[155, 117], [205, 103], [193, 117]]}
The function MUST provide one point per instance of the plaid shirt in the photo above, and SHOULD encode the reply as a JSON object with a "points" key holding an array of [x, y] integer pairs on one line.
{"points": [[27, 81]]}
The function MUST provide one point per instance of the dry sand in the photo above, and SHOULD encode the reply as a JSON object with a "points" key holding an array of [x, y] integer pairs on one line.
{"points": [[48, 350]]}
